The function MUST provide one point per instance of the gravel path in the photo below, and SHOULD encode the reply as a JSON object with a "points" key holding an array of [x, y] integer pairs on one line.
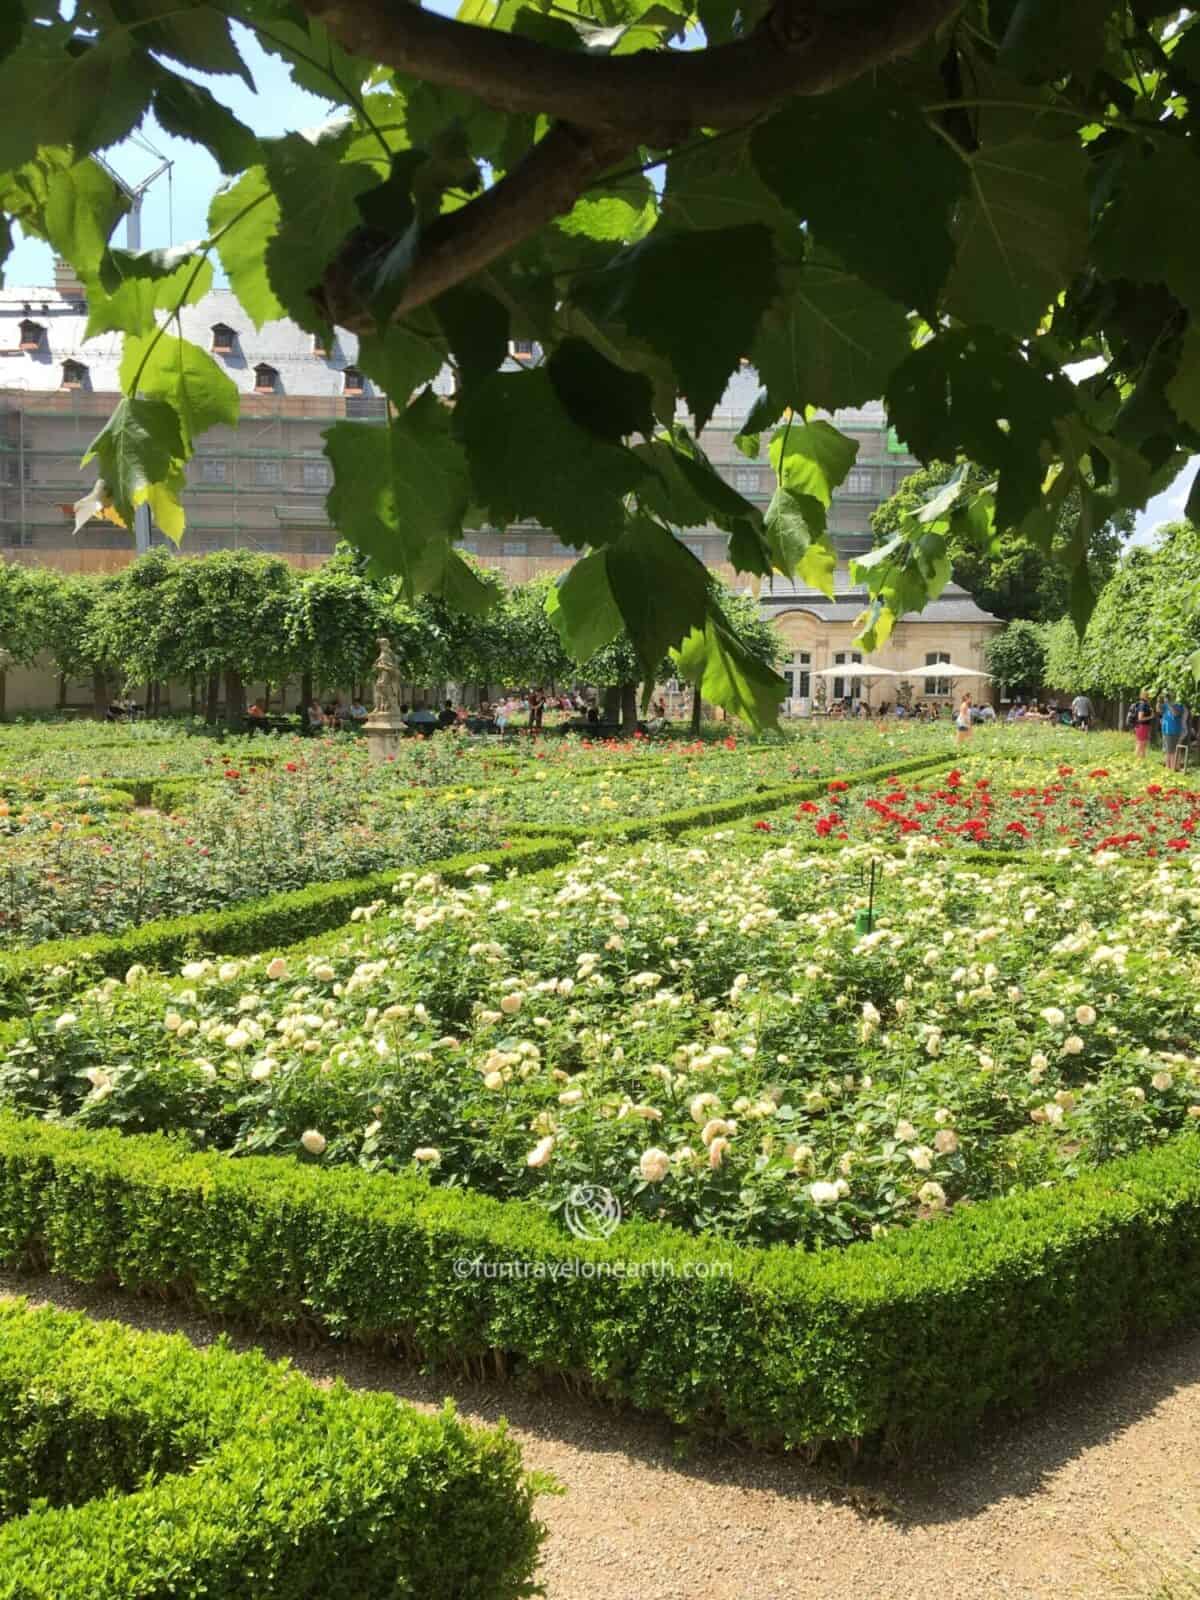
{"points": [[1096, 1494]]}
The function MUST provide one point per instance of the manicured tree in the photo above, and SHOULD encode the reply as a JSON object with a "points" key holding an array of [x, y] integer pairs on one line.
{"points": [[132, 627], [1016, 658], [73, 634], [228, 615], [21, 620], [334, 618]]}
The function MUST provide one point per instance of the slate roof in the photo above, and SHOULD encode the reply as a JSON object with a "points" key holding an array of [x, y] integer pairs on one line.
{"points": [[954, 604]]}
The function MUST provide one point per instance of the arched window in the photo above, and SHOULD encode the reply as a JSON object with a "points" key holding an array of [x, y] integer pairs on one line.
{"points": [[352, 381], [266, 378], [223, 339], [74, 375], [32, 334]]}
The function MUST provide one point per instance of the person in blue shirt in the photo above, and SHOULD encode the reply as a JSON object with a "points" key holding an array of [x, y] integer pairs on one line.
{"points": [[1173, 722]]}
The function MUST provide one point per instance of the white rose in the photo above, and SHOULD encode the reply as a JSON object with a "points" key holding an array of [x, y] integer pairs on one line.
{"points": [[945, 1141], [802, 1155], [428, 1155], [324, 973], [1072, 1045], [700, 1105], [1162, 1081], [172, 1022], [1085, 1016], [228, 971], [195, 969], [261, 1070], [1054, 1016], [67, 1020], [905, 1132], [824, 1194], [921, 1157], [1038, 1061], [277, 968], [136, 973], [654, 1165], [541, 1152], [313, 1141], [716, 1152], [237, 1039], [932, 1195], [571, 1097], [717, 1126], [510, 1004]]}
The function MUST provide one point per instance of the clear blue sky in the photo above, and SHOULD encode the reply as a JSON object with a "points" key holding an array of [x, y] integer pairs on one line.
{"points": [[175, 211]]}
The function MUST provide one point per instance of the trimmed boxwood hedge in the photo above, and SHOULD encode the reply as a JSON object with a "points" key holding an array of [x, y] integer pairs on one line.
{"points": [[278, 919], [910, 1335], [133, 1466]]}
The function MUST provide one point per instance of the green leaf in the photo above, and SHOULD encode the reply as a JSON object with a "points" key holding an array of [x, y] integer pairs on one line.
{"points": [[12, 26], [528, 459], [191, 112], [1129, 240], [1045, 36], [715, 184], [1183, 391], [663, 290], [599, 396], [660, 589], [872, 180], [362, 501], [186, 377], [138, 446], [165, 500], [620, 212], [582, 608], [57, 89], [132, 285], [830, 340], [728, 675], [196, 35], [812, 458], [402, 357], [461, 587], [763, 413], [318, 62], [1022, 232], [971, 392], [797, 540], [476, 327], [243, 217], [82, 207], [316, 190], [432, 485]]}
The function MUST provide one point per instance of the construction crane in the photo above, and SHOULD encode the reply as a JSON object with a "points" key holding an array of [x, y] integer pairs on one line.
{"points": [[134, 192]]}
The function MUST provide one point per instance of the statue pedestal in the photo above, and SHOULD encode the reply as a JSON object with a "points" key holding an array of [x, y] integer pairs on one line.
{"points": [[384, 730]]}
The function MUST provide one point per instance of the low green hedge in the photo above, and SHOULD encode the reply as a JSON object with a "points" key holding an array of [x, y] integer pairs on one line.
{"points": [[278, 919], [913, 1334], [134, 1466]]}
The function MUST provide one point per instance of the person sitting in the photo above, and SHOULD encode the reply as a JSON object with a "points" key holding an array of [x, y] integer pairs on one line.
{"points": [[593, 716], [658, 723], [422, 720], [338, 713], [447, 716], [314, 717], [358, 711], [256, 717]]}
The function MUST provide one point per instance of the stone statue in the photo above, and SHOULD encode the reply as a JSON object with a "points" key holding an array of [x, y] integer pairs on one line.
{"points": [[387, 679]]}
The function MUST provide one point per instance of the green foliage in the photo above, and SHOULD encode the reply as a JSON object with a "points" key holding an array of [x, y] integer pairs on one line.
{"points": [[134, 1464], [1010, 577], [990, 221], [912, 1335], [1016, 658]]}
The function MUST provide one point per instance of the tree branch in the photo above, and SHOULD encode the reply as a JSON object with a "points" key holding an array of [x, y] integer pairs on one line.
{"points": [[796, 49], [543, 186]]}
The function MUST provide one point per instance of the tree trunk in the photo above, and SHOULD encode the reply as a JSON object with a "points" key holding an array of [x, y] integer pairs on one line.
{"points": [[697, 709], [212, 697], [156, 697], [191, 697], [306, 691], [99, 696], [629, 707], [3, 690], [62, 691], [612, 704], [235, 697]]}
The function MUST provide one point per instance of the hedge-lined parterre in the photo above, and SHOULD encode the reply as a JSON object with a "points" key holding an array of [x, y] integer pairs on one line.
{"points": [[134, 1466]]}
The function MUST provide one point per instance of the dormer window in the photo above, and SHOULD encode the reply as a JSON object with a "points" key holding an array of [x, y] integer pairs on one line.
{"points": [[32, 334], [74, 375], [352, 381], [522, 349], [223, 339], [266, 379]]}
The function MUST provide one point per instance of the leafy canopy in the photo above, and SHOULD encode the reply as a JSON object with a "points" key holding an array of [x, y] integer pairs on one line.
{"points": [[948, 204]]}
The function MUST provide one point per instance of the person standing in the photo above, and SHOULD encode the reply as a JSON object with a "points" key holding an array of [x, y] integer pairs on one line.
{"points": [[1081, 712], [1143, 724], [1173, 719], [963, 720]]}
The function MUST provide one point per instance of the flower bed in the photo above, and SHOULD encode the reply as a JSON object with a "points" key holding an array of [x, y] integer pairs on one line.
{"points": [[133, 1465], [702, 1030], [1011, 807]]}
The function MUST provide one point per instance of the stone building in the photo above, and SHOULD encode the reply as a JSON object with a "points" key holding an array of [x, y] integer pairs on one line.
{"points": [[262, 484]]}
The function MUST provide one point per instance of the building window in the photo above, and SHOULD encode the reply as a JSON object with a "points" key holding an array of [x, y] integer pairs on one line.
{"points": [[223, 339], [352, 381], [800, 676], [32, 334], [860, 480], [515, 547], [522, 349], [940, 686], [315, 474], [74, 375], [843, 688], [214, 469], [747, 480], [266, 379], [268, 472]]}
